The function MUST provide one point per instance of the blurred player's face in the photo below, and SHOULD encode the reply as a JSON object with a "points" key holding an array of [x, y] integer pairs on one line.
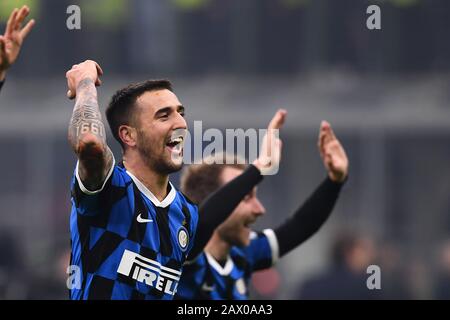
{"points": [[161, 130], [236, 229]]}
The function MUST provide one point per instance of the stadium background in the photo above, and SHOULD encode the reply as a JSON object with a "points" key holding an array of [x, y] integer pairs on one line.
{"points": [[233, 64]]}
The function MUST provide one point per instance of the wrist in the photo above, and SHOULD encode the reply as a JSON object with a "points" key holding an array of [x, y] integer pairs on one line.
{"points": [[257, 164], [85, 83], [338, 178]]}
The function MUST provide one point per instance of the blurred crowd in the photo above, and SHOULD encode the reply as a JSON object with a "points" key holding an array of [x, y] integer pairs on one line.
{"points": [[346, 274]]}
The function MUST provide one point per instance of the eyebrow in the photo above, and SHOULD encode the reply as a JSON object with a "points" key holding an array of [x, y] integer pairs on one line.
{"points": [[168, 110]]}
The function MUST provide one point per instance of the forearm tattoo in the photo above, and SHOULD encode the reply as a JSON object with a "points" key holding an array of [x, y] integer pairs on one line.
{"points": [[86, 117]]}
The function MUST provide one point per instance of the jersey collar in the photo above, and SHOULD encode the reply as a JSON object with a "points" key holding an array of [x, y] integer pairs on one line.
{"points": [[142, 188], [226, 270]]}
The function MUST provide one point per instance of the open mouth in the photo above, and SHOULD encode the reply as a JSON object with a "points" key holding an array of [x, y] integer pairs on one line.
{"points": [[247, 224], [175, 144]]}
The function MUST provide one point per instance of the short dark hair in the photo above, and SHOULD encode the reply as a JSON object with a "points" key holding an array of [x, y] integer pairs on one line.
{"points": [[198, 181], [121, 106]]}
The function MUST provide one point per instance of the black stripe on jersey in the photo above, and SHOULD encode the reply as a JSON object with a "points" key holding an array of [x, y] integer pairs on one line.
{"points": [[173, 264], [102, 249], [101, 288], [85, 238], [208, 280], [127, 279], [77, 194], [108, 198], [148, 253], [137, 230], [165, 242], [156, 293], [229, 287], [136, 295], [187, 220], [240, 262]]}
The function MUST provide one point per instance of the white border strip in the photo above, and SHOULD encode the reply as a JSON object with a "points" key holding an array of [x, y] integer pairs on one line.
{"points": [[225, 271], [89, 192], [273, 242], [167, 200]]}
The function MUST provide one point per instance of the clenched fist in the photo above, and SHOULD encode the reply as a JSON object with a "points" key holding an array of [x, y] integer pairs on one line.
{"points": [[88, 70]]}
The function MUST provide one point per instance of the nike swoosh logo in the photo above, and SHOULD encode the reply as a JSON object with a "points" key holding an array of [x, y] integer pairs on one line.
{"points": [[142, 220]]}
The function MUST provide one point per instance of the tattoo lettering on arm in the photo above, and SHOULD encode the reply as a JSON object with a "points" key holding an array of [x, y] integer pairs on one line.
{"points": [[87, 137], [86, 117]]}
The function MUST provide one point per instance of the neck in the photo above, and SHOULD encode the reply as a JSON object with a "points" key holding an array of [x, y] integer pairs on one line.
{"points": [[156, 182], [217, 247]]}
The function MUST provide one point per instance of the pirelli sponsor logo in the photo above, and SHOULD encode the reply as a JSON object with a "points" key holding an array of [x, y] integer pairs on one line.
{"points": [[149, 272]]}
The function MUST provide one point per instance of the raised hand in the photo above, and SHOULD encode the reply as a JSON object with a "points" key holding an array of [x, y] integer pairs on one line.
{"points": [[333, 154], [11, 42], [87, 70], [269, 158]]}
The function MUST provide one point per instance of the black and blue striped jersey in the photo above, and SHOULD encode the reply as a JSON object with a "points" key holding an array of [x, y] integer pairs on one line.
{"points": [[206, 279], [125, 243]]}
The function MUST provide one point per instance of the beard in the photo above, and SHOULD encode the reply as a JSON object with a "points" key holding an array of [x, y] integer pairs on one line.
{"points": [[155, 156], [233, 234]]}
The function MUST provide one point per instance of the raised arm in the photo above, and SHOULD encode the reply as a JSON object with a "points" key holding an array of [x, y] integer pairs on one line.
{"points": [[11, 42], [87, 134], [308, 219], [219, 205]]}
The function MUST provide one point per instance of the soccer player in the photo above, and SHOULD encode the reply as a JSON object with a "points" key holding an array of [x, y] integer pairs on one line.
{"points": [[131, 230], [11, 41], [233, 253]]}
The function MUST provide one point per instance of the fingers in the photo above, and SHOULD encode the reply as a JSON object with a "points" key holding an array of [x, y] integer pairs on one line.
{"points": [[323, 132], [98, 82], [16, 20], [70, 95], [326, 127], [2, 46], [21, 15], [10, 23], [99, 69], [326, 135], [278, 120], [26, 30]]}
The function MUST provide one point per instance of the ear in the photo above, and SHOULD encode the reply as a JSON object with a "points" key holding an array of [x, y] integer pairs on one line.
{"points": [[128, 135]]}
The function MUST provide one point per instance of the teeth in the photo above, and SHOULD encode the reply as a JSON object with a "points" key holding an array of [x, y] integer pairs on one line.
{"points": [[177, 140]]}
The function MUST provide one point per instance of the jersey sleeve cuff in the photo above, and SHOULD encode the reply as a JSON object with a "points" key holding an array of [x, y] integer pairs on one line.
{"points": [[90, 192], [273, 243]]}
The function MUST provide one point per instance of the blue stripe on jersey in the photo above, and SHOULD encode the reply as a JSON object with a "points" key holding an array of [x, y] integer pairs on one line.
{"points": [[119, 255], [94, 235], [122, 291]]}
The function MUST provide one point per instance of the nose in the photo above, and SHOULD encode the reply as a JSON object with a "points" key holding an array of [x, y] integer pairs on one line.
{"points": [[258, 208], [180, 122]]}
